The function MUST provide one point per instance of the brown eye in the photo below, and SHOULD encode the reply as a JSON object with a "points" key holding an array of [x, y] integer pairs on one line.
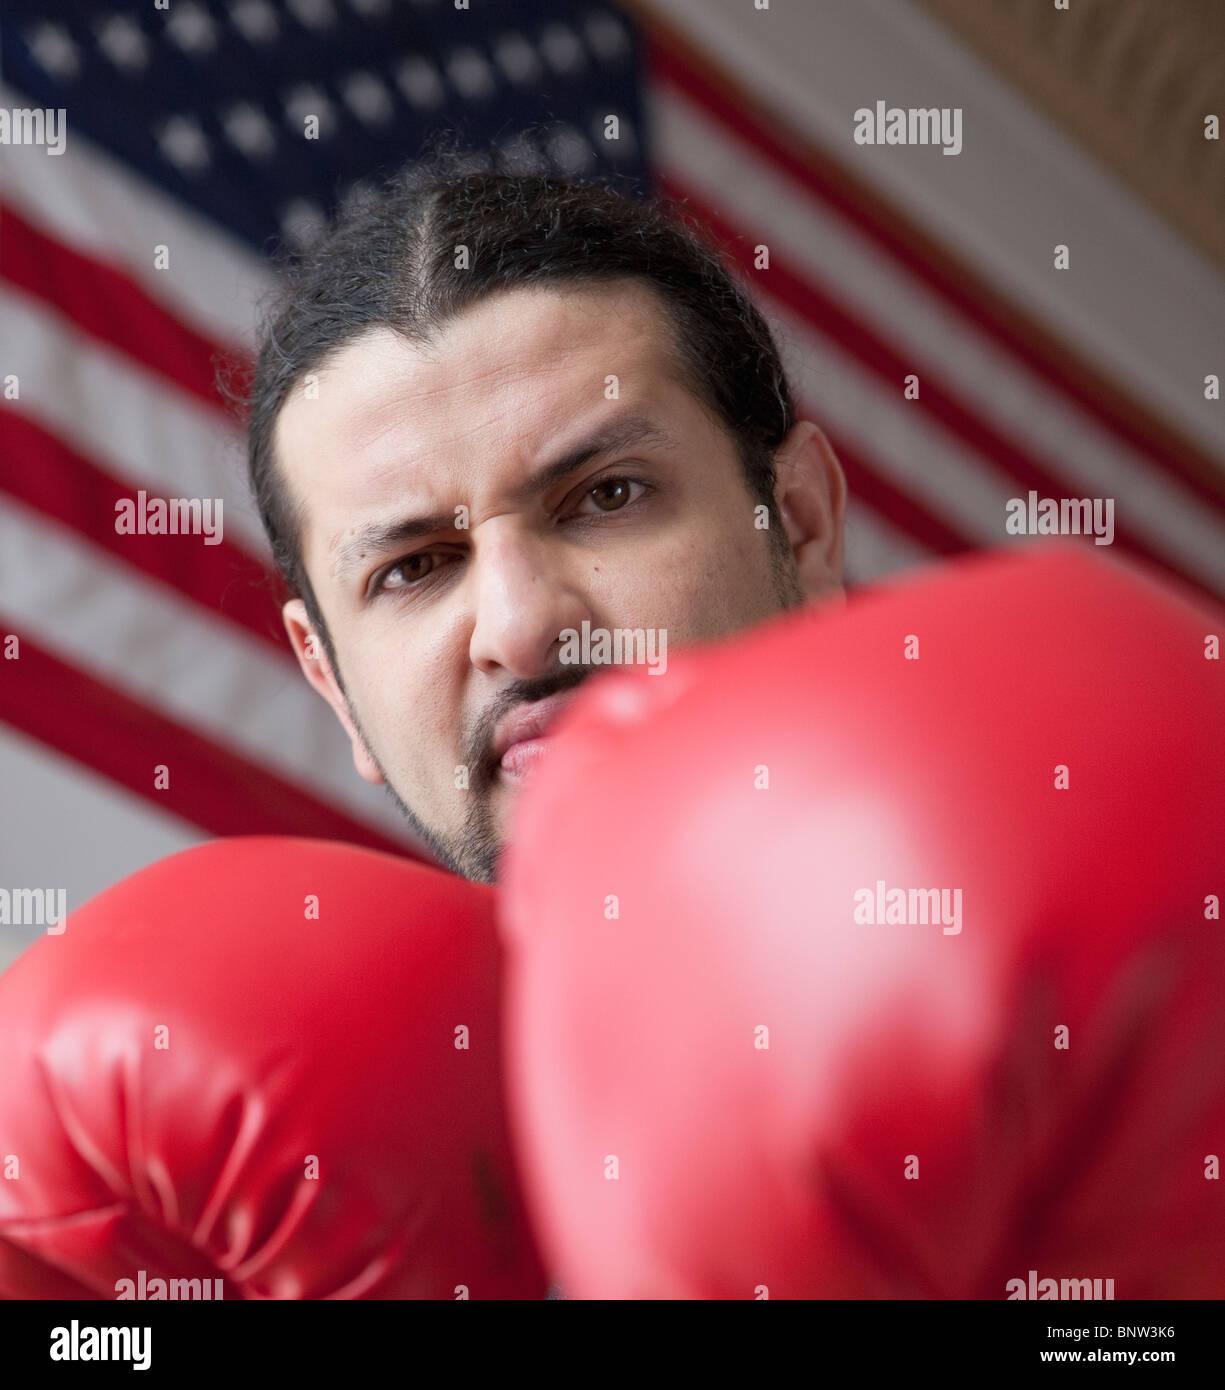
{"points": [[612, 494], [412, 570]]}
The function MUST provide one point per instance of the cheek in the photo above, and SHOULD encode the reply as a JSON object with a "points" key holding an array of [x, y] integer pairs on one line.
{"points": [[409, 706], [698, 581], [714, 577]]}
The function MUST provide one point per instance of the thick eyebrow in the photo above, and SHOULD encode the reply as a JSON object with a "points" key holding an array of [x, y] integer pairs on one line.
{"points": [[378, 538]]}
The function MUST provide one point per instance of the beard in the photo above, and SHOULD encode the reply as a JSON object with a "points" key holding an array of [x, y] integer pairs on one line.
{"points": [[474, 849]]}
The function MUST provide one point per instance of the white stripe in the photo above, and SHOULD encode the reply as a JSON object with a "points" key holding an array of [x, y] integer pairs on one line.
{"points": [[917, 454], [140, 428], [95, 613], [925, 460], [1139, 302], [76, 830], [876, 549], [996, 386], [92, 202]]}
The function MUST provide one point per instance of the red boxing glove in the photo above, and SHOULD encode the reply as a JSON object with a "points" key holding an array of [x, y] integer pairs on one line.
{"points": [[271, 1062], [752, 1053]]}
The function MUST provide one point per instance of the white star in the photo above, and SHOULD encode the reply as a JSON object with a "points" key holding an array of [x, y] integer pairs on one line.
{"points": [[184, 144], [569, 151], [470, 73], [55, 51], [562, 49], [123, 43], [305, 101], [624, 145], [255, 19], [367, 98], [302, 221], [249, 130], [517, 59], [191, 28], [607, 36], [314, 14], [419, 82], [359, 192], [473, 162], [521, 155]]}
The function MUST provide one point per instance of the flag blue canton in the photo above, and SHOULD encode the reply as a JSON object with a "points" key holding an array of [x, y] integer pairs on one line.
{"points": [[210, 99]]}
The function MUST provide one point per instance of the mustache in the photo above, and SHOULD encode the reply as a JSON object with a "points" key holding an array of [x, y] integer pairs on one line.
{"points": [[478, 743]]}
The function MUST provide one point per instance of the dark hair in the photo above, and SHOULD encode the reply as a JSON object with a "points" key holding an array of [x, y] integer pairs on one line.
{"points": [[390, 262]]}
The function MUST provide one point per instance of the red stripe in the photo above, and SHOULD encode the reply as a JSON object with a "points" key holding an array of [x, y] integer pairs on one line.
{"points": [[830, 320], [47, 475], [110, 306], [114, 735], [869, 486], [674, 63]]}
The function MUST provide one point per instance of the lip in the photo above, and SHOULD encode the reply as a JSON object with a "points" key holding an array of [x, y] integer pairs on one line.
{"points": [[527, 725]]}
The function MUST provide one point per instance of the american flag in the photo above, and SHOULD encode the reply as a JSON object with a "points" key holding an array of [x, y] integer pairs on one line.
{"points": [[134, 259]]}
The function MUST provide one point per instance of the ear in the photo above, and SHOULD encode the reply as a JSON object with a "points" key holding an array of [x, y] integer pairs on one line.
{"points": [[810, 491], [312, 658]]}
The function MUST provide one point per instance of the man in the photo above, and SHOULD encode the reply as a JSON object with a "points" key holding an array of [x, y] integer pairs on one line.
{"points": [[490, 411]]}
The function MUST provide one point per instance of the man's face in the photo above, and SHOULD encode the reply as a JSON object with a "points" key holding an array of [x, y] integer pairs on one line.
{"points": [[456, 524]]}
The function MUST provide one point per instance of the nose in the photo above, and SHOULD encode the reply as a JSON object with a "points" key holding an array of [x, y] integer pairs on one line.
{"points": [[525, 594]]}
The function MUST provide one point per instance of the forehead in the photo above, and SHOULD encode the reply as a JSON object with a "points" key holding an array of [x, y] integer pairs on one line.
{"points": [[496, 385]]}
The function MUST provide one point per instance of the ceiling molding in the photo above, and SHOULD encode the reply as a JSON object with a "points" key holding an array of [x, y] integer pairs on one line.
{"points": [[1131, 80]]}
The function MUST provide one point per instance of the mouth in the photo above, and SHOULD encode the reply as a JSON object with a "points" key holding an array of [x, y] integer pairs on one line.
{"points": [[523, 737], [521, 758]]}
